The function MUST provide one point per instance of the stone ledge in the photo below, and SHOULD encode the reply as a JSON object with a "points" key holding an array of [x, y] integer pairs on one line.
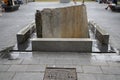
{"points": [[62, 44], [100, 34], [65, 1], [25, 33]]}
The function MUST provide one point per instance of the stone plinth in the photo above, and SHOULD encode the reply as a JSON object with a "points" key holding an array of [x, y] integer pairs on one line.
{"points": [[66, 22], [62, 44], [65, 1]]}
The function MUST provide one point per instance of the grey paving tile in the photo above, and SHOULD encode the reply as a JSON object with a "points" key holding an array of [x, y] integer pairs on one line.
{"points": [[53, 55], [87, 57], [4, 67], [104, 77], [17, 68], [81, 62], [115, 58], [47, 61], [79, 69], [117, 77], [113, 63], [18, 61], [40, 55], [31, 61], [110, 69], [82, 76], [2, 61], [28, 76], [63, 61], [99, 62], [6, 75], [35, 68], [103, 57], [68, 55], [91, 69], [25, 55]]}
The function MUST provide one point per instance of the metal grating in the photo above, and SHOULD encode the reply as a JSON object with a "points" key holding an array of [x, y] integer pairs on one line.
{"points": [[54, 73]]}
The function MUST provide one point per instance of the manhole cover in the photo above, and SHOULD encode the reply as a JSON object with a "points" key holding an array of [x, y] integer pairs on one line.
{"points": [[53, 73]]}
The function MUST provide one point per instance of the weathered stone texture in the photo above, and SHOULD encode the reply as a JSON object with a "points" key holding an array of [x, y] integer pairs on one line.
{"points": [[38, 22], [66, 22], [62, 44]]}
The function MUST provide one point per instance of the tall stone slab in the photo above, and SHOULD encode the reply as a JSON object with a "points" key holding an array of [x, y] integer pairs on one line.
{"points": [[66, 22]]}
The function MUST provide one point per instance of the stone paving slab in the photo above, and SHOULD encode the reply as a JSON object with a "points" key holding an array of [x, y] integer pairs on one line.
{"points": [[35, 68], [82, 76], [6, 75], [113, 63], [110, 69], [28, 76], [31, 61], [104, 77], [16, 68], [4, 67], [18, 61], [92, 69]]}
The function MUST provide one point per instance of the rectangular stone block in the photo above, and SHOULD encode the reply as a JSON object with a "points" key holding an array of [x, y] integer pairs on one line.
{"points": [[62, 44], [25, 33], [99, 33], [66, 22], [65, 1], [102, 35]]}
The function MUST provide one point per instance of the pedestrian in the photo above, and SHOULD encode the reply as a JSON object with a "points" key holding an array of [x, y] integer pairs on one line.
{"points": [[74, 1], [111, 3], [3, 5]]}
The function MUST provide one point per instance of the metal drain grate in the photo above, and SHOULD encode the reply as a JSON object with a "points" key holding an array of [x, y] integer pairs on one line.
{"points": [[54, 73]]}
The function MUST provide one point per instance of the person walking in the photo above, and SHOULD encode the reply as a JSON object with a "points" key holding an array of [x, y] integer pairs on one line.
{"points": [[74, 1], [111, 3], [1, 2]]}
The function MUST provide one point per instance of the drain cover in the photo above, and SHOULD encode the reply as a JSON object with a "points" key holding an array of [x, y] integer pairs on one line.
{"points": [[53, 73]]}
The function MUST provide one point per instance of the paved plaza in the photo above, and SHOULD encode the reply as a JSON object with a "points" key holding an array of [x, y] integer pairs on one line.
{"points": [[31, 65], [12, 22]]}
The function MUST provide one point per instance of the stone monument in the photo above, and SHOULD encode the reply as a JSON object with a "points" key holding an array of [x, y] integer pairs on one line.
{"points": [[66, 22], [62, 29]]}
